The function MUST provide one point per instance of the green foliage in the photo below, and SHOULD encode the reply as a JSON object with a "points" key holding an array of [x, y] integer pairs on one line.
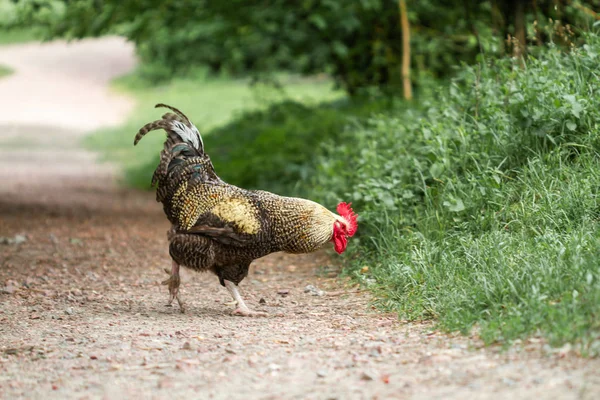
{"points": [[485, 127], [483, 207], [258, 151], [358, 42], [10, 29], [478, 207], [14, 36]]}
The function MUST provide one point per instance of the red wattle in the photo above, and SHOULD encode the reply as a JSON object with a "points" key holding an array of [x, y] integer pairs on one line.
{"points": [[340, 242]]}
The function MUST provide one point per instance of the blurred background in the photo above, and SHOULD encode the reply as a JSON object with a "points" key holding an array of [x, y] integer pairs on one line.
{"points": [[464, 132]]}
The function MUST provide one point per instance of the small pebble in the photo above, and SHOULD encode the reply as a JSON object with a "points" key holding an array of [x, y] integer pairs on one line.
{"points": [[367, 376], [9, 289], [17, 239], [314, 291], [321, 373], [274, 367]]}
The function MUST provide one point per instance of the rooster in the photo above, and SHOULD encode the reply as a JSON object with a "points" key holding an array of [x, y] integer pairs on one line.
{"points": [[221, 228]]}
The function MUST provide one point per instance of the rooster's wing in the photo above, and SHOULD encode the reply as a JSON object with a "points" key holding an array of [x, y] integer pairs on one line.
{"points": [[225, 214]]}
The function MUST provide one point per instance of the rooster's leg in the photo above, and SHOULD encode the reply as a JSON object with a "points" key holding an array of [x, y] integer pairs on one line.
{"points": [[173, 283], [242, 309]]}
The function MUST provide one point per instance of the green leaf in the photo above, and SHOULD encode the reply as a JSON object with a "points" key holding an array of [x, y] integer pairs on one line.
{"points": [[457, 206], [318, 21], [436, 169], [339, 48]]}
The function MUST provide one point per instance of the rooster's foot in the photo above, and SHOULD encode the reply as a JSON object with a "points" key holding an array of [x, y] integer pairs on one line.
{"points": [[173, 283], [242, 309], [246, 312]]}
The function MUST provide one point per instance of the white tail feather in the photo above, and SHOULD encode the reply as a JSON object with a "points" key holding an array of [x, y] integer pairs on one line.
{"points": [[188, 134]]}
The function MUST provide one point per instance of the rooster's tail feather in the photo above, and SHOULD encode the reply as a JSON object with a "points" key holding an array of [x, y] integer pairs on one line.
{"points": [[179, 129], [182, 159]]}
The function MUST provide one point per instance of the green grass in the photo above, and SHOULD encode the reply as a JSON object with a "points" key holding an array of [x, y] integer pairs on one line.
{"points": [[15, 36], [5, 71], [209, 103], [9, 34], [481, 208], [525, 263]]}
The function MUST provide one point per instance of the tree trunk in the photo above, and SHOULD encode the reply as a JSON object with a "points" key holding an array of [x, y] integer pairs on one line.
{"points": [[520, 48], [405, 50]]}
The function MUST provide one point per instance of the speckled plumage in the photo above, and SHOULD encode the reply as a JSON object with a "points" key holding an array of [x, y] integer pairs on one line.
{"points": [[219, 227]]}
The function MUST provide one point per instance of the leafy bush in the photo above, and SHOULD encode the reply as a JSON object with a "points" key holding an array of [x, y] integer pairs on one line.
{"points": [[483, 207], [478, 207], [272, 149], [485, 128]]}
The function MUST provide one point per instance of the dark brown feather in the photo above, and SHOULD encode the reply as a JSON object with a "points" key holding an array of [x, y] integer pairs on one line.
{"points": [[176, 111], [152, 126]]}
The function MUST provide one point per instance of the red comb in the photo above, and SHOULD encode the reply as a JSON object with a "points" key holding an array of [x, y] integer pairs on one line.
{"points": [[345, 211]]}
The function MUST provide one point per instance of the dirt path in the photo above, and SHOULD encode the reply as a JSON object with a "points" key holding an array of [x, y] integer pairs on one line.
{"points": [[82, 311], [58, 93]]}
